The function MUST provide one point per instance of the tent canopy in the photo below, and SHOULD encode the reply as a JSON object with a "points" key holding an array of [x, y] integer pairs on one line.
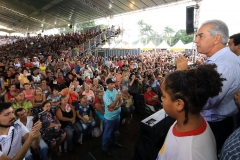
{"points": [[189, 45], [163, 45], [179, 46]]}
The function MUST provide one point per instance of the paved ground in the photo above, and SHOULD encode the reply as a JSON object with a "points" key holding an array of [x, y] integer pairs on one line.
{"points": [[127, 137]]}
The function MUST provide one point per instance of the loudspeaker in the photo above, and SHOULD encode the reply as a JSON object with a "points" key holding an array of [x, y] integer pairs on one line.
{"points": [[153, 133], [190, 20]]}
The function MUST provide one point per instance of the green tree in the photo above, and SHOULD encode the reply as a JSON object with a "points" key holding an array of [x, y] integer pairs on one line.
{"points": [[167, 34], [182, 35]]}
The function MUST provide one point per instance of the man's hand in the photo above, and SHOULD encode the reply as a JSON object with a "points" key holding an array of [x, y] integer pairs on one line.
{"points": [[37, 126], [33, 135], [118, 96], [182, 63], [237, 97]]}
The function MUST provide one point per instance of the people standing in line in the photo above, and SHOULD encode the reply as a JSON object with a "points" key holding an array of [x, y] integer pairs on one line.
{"points": [[112, 102], [211, 40]]}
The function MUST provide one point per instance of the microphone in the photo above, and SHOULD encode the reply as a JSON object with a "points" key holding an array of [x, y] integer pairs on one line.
{"points": [[45, 124]]}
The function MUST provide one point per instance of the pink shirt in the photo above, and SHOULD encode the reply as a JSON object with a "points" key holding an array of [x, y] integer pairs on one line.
{"points": [[28, 96], [90, 95]]}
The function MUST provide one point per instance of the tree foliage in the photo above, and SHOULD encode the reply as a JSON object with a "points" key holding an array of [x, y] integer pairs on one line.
{"points": [[182, 35]]}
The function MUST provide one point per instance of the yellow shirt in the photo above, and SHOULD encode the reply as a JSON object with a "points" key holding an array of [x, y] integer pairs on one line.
{"points": [[23, 80], [42, 68]]}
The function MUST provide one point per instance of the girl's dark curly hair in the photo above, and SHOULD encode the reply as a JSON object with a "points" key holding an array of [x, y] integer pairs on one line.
{"points": [[194, 87]]}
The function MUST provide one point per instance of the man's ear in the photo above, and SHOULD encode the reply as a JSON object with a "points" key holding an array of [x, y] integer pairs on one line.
{"points": [[179, 103], [218, 39], [238, 46]]}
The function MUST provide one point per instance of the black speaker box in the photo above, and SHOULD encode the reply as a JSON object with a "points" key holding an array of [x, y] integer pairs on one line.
{"points": [[190, 20], [153, 133]]}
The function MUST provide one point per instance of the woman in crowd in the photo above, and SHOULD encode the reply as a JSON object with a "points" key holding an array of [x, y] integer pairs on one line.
{"points": [[89, 93], [84, 113], [99, 105], [128, 102], [96, 87], [133, 84], [36, 78], [23, 78], [151, 98], [53, 135], [61, 82], [38, 98], [46, 90], [10, 94], [28, 91], [16, 81], [54, 99], [21, 102], [66, 114]]}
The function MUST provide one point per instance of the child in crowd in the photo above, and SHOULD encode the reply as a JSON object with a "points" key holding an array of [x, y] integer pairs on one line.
{"points": [[184, 93]]}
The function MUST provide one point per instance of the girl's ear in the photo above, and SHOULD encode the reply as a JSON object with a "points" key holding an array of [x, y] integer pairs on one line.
{"points": [[179, 105]]}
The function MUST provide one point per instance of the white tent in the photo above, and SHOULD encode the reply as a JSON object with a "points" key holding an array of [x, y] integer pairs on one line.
{"points": [[179, 44], [189, 45], [163, 45], [112, 45], [122, 45], [139, 45], [150, 45]]}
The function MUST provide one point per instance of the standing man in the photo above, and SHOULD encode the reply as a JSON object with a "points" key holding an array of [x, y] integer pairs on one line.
{"points": [[234, 44], [12, 135], [112, 103], [211, 40]]}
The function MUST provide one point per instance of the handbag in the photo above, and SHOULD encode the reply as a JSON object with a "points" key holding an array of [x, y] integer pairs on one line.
{"points": [[52, 133], [129, 102]]}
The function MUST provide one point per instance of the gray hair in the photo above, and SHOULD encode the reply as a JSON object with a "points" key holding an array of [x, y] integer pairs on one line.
{"points": [[218, 27], [87, 87]]}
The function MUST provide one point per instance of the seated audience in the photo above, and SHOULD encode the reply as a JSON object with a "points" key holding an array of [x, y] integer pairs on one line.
{"points": [[21, 102], [10, 94], [54, 99], [84, 113], [99, 106], [53, 135], [66, 114], [151, 98], [28, 91]]}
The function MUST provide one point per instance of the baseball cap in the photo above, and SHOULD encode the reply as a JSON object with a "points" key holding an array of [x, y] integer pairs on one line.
{"points": [[110, 80]]}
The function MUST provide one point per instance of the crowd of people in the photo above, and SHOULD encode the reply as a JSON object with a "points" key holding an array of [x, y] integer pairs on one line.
{"points": [[50, 94]]}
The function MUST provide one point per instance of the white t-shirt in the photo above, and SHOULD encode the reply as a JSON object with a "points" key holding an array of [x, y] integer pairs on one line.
{"points": [[29, 123], [5, 140], [36, 64], [198, 144]]}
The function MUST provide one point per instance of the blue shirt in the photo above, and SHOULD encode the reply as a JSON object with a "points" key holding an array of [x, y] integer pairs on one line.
{"points": [[77, 68], [231, 147], [108, 99], [223, 105]]}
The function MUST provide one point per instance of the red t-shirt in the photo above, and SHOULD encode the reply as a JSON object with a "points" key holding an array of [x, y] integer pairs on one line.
{"points": [[148, 95], [97, 100]]}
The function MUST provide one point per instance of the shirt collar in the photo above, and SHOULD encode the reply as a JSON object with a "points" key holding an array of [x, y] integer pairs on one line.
{"points": [[218, 54]]}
